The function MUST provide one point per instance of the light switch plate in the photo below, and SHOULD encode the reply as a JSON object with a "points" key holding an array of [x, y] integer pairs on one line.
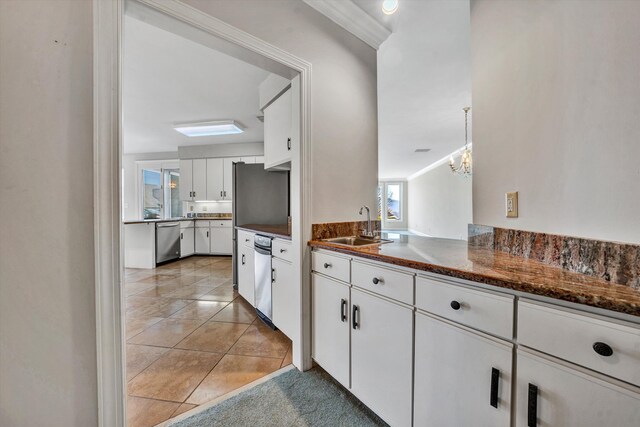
{"points": [[511, 205]]}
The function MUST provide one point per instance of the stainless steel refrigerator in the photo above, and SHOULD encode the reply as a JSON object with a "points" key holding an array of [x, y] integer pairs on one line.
{"points": [[259, 197]]}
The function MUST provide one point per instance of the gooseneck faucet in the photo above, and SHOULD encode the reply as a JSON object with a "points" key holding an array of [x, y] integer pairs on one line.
{"points": [[369, 231]]}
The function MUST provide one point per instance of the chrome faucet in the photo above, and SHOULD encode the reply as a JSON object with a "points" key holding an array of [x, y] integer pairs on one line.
{"points": [[369, 231]]}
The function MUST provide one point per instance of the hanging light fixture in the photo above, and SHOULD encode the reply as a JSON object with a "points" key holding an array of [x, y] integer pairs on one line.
{"points": [[465, 166]]}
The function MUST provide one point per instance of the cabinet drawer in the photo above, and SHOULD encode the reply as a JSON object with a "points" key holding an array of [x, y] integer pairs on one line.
{"points": [[390, 283], [202, 224], [331, 265], [282, 249], [245, 238], [572, 336], [221, 223], [483, 310], [187, 224]]}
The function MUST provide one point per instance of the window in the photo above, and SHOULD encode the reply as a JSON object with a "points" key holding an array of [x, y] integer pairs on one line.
{"points": [[394, 202], [151, 194], [161, 193]]}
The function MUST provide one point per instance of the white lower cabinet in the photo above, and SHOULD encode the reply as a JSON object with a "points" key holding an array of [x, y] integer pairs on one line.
{"points": [[330, 323], [246, 274], [555, 393], [462, 378], [187, 242], [381, 356], [221, 240], [282, 288], [202, 240]]}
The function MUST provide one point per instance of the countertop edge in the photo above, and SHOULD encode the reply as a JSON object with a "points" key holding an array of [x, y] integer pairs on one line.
{"points": [[263, 232], [600, 301]]}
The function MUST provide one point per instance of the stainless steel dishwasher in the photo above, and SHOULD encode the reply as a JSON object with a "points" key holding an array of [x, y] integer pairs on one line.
{"points": [[263, 278], [167, 241]]}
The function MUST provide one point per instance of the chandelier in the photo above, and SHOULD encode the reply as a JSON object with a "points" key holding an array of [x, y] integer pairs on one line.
{"points": [[465, 166]]}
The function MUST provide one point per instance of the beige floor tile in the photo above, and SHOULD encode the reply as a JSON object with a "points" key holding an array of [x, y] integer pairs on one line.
{"points": [[260, 340], [159, 291], [191, 291], [182, 409], [288, 359], [174, 375], [167, 332], [140, 357], [200, 310], [183, 280], [223, 292], [161, 310], [135, 288], [230, 373], [148, 412], [216, 337], [212, 281], [135, 325], [239, 311]]}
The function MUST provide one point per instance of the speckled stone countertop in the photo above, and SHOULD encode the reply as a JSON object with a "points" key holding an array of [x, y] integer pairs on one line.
{"points": [[455, 259], [279, 230]]}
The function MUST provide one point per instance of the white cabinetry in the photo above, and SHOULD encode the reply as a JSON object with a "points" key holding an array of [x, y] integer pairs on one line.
{"points": [[554, 393], [462, 378], [283, 289], [186, 180], [221, 237], [193, 179], [228, 177], [202, 237], [246, 273], [381, 356], [330, 325], [277, 131], [215, 179], [187, 239]]}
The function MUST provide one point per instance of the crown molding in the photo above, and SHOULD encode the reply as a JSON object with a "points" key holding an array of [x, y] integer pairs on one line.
{"points": [[353, 19]]}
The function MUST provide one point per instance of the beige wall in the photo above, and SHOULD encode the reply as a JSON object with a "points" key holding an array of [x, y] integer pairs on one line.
{"points": [[440, 203], [556, 102], [344, 152], [47, 307]]}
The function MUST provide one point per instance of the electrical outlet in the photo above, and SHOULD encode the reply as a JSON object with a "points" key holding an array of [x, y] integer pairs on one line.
{"points": [[204, 208], [511, 205]]}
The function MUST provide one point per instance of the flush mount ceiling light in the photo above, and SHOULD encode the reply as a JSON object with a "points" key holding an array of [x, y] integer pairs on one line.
{"points": [[220, 127], [389, 7], [465, 166]]}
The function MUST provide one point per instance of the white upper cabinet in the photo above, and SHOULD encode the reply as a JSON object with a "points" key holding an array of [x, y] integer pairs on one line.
{"points": [[228, 177], [248, 159], [277, 131], [199, 179], [215, 179], [186, 180]]}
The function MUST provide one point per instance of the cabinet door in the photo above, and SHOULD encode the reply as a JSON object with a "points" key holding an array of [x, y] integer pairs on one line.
{"points": [[246, 274], [186, 180], [455, 381], [285, 315], [227, 179], [187, 242], [570, 396], [277, 131], [330, 327], [199, 179], [215, 181], [381, 356], [202, 240], [221, 240]]}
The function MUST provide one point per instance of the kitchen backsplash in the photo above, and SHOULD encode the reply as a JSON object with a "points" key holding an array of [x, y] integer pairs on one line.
{"points": [[329, 230], [206, 207], [611, 261]]}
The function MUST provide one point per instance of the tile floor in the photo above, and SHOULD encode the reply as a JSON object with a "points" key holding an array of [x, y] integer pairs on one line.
{"points": [[191, 338]]}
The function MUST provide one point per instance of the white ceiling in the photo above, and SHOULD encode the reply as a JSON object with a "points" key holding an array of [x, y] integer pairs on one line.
{"points": [[169, 79], [424, 81]]}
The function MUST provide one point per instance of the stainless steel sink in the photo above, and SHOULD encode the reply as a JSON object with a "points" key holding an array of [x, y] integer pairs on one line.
{"points": [[356, 241]]}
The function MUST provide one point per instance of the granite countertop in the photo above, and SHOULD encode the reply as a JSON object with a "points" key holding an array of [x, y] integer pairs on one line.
{"points": [[278, 230], [455, 258], [145, 221]]}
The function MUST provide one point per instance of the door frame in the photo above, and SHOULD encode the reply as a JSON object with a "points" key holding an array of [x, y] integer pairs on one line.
{"points": [[107, 146]]}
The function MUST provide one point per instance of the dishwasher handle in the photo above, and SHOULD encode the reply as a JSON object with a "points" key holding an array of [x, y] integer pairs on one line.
{"points": [[167, 224]]}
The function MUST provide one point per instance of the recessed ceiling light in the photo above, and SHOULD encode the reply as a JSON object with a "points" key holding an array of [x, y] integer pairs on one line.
{"points": [[389, 7], [422, 150], [221, 127]]}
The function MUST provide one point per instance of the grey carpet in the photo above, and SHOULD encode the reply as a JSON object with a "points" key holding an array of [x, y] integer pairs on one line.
{"points": [[294, 398]]}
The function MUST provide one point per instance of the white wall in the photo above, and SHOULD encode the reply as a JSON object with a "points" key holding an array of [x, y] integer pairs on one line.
{"points": [[556, 100], [47, 301], [440, 203], [344, 152]]}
